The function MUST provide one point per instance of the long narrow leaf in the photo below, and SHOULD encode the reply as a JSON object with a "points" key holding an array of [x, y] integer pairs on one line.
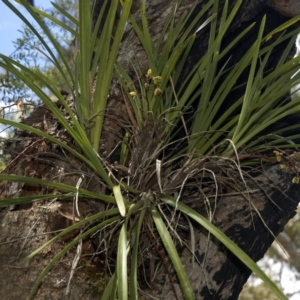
{"points": [[56, 185], [122, 264], [134, 258], [238, 252], [173, 254]]}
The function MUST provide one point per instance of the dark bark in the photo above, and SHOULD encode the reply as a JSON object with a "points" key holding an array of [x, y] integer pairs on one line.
{"points": [[31, 2], [219, 274]]}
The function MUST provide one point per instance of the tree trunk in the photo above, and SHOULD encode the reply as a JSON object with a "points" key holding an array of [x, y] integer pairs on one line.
{"points": [[218, 274]]}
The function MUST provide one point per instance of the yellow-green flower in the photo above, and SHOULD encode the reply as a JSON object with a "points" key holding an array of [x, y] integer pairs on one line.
{"points": [[157, 92], [133, 94], [156, 79], [278, 155], [129, 84], [149, 73], [20, 105]]}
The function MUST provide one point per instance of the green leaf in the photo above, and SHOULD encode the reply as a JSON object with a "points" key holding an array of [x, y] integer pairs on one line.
{"points": [[56, 185], [106, 65], [173, 254], [133, 281], [122, 264], [250, 89], [27, 199], [119, 200], [85, 53], [110, 289]]}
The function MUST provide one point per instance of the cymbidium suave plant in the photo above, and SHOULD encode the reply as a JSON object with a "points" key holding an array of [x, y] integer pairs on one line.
{"points": [[157, 166]]}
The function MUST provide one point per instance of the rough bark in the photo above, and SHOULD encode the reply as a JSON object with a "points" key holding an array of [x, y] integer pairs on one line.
{"points": [[218, 275], [289, 8]]}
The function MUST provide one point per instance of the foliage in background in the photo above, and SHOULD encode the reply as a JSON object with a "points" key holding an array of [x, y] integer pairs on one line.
{"points": [[16, 99], [30, 52], [153, 102]]}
